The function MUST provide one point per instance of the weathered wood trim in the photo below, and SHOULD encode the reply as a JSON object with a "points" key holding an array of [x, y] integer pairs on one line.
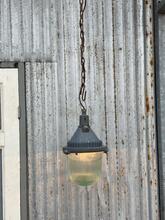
{"points": [[23, 142], [8, 65]]}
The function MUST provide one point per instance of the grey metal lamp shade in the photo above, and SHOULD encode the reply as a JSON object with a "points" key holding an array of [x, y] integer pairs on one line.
{"points": [[84, 139]]}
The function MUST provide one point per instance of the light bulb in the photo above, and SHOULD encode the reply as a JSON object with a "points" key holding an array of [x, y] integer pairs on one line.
{"points": [[85, 168]]}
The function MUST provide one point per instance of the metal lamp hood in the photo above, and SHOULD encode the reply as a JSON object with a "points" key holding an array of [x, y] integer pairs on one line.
{"points": [[84, 139]]}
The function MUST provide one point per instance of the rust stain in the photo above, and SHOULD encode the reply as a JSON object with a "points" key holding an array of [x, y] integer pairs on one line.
{"points": [[147, 104], [141, 180], [149, 156], [150, 41], [122, 171], [51, 192], [151, 61]]}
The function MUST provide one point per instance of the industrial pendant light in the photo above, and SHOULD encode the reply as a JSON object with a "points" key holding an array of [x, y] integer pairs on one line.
{"points": [[84, 150]]}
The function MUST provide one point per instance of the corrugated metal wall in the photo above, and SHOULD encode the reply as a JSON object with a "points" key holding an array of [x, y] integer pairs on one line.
{"points": [[120, 63]]}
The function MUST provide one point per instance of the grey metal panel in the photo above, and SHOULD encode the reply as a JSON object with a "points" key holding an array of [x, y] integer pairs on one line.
{"points": [[120, 83], [160, 45], [158, 109], [161, 8]]}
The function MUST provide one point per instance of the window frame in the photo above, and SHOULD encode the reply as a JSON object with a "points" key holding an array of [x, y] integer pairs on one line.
{"points": [[24, 203]]}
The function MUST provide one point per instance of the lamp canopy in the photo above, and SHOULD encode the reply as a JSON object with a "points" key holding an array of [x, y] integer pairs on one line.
{"points": [[84, 139]]}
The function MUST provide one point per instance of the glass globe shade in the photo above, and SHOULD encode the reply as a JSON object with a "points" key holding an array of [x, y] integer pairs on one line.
{"points": [[85, 168]]}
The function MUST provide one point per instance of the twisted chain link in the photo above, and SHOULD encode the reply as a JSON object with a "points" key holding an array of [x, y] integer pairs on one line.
{"points": [[82, 92]]}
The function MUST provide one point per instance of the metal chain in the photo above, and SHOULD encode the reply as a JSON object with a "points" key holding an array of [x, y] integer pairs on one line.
{"points": [[82, 92]]}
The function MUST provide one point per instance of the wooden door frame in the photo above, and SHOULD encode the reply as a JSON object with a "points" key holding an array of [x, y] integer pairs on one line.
{"points": [[24, 204]]}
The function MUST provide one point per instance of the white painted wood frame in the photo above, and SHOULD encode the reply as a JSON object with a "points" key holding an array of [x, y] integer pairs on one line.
{"points": [[9, 143]]}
